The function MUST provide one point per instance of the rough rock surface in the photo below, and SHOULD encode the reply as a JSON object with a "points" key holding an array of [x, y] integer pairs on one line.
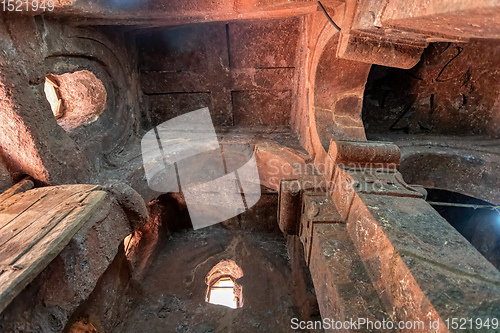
{"points": [[171, 296], [31, 141], [84, 99], [243, 71], [5, 178], [451, 91]]}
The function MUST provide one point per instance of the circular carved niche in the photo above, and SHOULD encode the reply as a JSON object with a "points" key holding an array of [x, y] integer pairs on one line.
{"points": [[76, 99]]}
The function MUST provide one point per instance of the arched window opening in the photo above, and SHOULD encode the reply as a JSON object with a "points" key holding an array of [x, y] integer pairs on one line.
{"points": [[222, 286], [222, 293], [76, 99]]}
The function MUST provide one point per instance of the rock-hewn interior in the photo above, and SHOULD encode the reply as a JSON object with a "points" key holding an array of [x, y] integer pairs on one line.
{"points": [[373, 127]]}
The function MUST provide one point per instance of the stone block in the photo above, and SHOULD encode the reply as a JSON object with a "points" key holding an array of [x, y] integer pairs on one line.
{"points": [[263, 44], [261, 108]]}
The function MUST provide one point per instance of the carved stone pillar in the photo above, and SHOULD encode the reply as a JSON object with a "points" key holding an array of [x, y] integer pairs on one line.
{"points": [[378, 252]]}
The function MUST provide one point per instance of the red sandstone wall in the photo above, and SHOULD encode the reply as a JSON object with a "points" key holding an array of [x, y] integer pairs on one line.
{"points": [[243, 71]]}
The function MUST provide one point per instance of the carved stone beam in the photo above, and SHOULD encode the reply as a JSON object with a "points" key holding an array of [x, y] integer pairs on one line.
{"points": [[376, 48]]}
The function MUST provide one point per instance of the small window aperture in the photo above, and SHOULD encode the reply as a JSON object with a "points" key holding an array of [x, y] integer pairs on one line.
{"points": [[222, 293], [222, 286], [53, 95], [76, 99]]}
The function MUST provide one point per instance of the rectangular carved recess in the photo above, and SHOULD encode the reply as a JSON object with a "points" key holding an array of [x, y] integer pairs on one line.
{"points": [[317, 208]]}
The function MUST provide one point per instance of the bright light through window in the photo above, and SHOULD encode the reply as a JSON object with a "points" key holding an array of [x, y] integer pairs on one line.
{"points": [[222, 293], [222, 286], [52, 94]]}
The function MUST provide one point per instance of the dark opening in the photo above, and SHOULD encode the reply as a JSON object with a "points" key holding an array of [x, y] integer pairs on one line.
{"points": [[451, 91], [477, 220]]}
